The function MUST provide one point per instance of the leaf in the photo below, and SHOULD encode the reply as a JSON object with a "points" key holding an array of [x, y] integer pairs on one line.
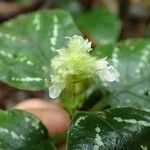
{"points": [[132, 59], [27, 44], [72, 6], [100, 25], [113, 129], [21, 130]]}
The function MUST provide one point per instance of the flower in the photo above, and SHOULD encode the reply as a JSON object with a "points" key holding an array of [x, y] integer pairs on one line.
{"points": [[74, 63], [55, 89], [105, 72], [83, 45]]}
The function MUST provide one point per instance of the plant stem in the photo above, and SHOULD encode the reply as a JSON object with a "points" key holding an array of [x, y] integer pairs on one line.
{"points": [[59, 138]]}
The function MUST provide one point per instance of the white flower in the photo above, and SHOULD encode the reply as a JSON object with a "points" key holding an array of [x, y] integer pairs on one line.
{"points": [[55, 89], [107, 73], [101, 64], [73, 64], [79, 41]]}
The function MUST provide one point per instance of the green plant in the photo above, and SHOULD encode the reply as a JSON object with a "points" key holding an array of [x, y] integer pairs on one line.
{"points": [[34, 55]]}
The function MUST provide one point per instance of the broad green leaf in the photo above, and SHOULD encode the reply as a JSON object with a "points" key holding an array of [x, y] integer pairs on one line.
{"points": [[132, 59], [27, 44], [21, 130], [72, 6], [100, 25], [113, 129]]}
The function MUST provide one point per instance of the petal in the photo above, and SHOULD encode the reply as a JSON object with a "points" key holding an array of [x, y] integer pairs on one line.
{"points": [[55, 90], [101, 64], [109, 74], [79, 43]]}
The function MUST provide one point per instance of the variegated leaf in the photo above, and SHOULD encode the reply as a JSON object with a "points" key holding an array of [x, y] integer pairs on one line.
{"points": [[27, 44], [21, 130], [132, 60], [112, 129]]}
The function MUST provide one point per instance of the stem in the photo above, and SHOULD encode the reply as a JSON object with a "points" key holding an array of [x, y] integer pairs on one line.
{"points": [[71, 99], [59, 138], [74, 95]]}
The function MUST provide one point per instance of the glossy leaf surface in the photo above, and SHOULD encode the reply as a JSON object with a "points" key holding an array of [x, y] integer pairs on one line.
{"points": [[132, 60], [113, 129], [27, 44], [21, 130]]}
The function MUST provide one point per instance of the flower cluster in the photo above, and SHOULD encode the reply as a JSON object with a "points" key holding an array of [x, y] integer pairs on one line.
{"points": [[74, 63]]}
